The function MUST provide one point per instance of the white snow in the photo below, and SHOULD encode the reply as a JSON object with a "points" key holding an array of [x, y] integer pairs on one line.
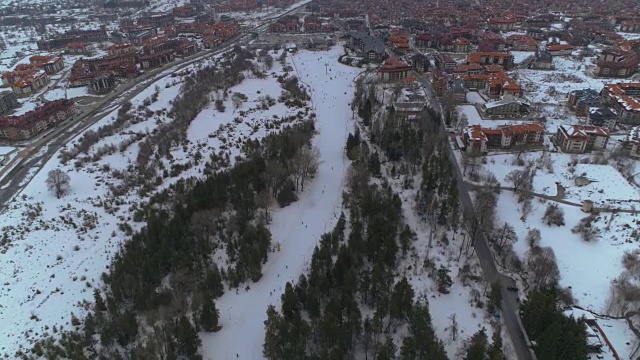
{"points": [[297, 227], [474, 97], [520, 56]]}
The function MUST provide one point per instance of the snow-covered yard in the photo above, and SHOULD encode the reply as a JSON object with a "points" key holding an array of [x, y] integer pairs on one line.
{"points": [[520, 56], [474, 118], [474, 97], [587, 267], [296, 228], [607, 187], [553, 87]]}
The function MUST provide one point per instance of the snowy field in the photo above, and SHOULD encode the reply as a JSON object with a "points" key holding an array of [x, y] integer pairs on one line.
{"points": [[297, 227], [520, 56], [58, 248], [587, 267], [608, 186], [553, 87], [474, 98], [474, 118]]}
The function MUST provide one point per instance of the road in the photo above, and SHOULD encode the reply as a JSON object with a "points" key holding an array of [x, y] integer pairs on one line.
{"points": [[36, 154], [510, 301]]}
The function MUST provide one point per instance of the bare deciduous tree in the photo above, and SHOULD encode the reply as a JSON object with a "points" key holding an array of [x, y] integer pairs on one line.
{"points": [[506, 235], [58, 182], [553, 215], [304, 165], [453, 328], [533, 237], [518, 178], [543, 267]]}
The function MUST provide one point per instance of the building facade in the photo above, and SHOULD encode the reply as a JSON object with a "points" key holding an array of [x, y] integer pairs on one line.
{"points": [[578, 139]]}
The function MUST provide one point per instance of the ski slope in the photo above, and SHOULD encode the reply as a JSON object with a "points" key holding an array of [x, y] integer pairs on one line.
{"points": [[297, 227]]}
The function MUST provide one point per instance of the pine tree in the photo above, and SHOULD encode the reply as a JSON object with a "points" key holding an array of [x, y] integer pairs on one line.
{"points": [[387, 351], [100, 305], [401, 299], [478, 346], [272, 348], [187, 339], [443, 280], [209, 315]]}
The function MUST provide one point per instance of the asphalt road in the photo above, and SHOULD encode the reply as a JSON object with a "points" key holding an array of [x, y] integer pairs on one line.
{"points": [[510, 302], [36, 154]]}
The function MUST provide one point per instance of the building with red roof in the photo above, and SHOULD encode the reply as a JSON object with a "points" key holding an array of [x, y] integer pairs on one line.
{"points": [[25, 126]]}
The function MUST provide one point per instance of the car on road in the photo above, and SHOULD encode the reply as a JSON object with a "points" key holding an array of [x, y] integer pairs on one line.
{"points": [[512, 288]]}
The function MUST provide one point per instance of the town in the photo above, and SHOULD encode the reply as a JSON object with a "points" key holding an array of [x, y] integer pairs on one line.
{"points": [[320, 179]]}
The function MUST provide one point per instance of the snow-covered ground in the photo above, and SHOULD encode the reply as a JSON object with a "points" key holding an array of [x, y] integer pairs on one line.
{"points": [[297, 227], [58, 248], [474, 97], [520, 56], [587, 267], [608, 186], [553, 87], [474, 118]]}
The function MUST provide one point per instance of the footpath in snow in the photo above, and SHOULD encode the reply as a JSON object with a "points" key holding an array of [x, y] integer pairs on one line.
{"points": [[299, 226]]}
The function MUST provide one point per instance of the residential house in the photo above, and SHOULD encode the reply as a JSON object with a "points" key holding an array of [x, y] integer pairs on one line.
{"points": [[393, 69], [502, 24], [399, 43], [477, 139], [139, 33], [439, 82], [603, 117], [445, 63], [580, 101], [475, 81], [184, 11], [461, 45], [410, 103], [420, 63], [30, 82], [50, 64], [579, 139], [631, 143], [286, 24], [468, 69], [616, 63], [486, 58], [559, 49], [474, 139], [522, 43], [543, 61], [507, 106], [157, 20], [370, 48], [624, 98], [79, 48], [423, 40], [500, 84], [630, 26], [458, 90], [21, 127], [85, 71], [536, 34], [8, 102], [121, 49]]}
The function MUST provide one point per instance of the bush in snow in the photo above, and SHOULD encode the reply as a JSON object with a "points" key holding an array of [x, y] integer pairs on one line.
{"points": [[554, 215]]}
